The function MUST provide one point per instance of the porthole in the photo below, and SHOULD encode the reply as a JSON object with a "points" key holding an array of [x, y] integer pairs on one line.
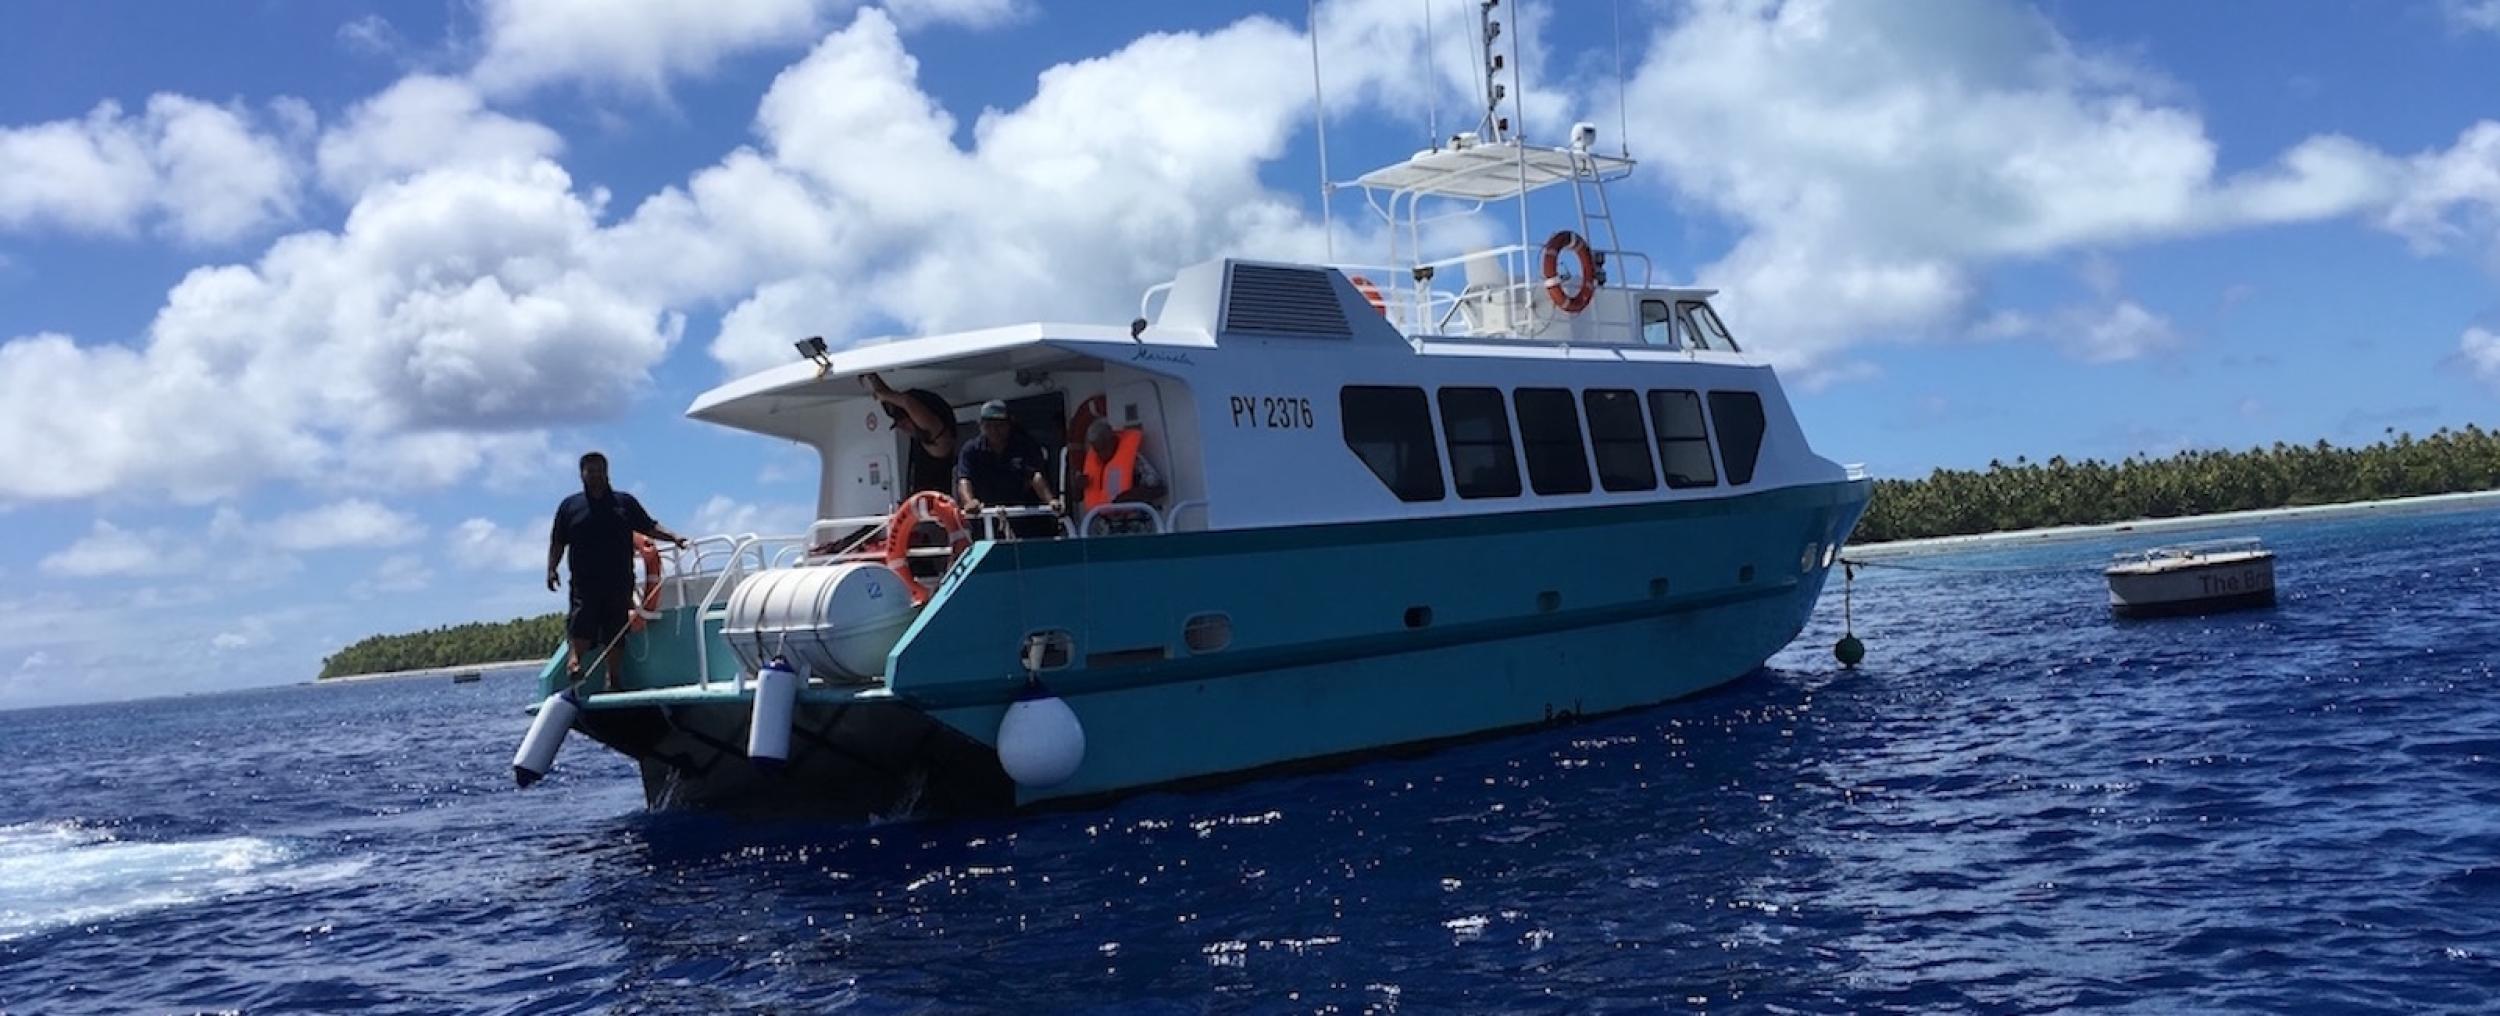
{"points": [[1048, 650], [1207, 633]]}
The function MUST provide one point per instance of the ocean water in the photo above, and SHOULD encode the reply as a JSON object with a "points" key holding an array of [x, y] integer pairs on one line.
{"points": [[2017, 805]]}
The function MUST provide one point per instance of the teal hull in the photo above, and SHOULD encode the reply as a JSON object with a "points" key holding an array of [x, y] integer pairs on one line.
{"points": [[1343, 640]]}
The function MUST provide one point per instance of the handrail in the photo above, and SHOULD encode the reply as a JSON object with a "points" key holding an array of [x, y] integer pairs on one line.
{"points": [[1085, 527], [1172, 515], [1148, 297], [992, 516]]}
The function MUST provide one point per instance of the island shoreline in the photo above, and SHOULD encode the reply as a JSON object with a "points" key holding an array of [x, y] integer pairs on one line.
{"points": [[2176, 524]]}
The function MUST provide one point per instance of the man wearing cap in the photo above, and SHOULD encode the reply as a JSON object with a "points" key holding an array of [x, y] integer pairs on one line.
{"points": [[1001, 467]]}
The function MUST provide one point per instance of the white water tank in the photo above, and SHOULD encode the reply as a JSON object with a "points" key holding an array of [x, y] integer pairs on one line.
{"points": [[835, 621]]}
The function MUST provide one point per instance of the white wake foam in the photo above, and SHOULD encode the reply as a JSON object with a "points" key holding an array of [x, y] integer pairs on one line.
{"points": [[55, 875]]}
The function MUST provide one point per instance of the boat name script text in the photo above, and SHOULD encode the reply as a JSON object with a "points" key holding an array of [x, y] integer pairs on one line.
{"points": [[1260, 413]]}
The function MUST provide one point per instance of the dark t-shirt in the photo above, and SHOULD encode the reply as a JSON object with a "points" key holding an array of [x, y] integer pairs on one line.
{"points": [[598, 534], [1001, 476], [926, 471]]}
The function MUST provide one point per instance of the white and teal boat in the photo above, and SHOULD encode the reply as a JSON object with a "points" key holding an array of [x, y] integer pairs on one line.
{"points": [[1483, 493]]}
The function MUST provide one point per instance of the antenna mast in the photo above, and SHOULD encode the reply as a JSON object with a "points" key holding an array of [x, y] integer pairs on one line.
{"points": [[1319, 110]]}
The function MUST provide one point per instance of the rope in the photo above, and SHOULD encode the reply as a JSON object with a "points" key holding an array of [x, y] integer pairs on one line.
{"points": [[1848, 587], [1947, 570], [595, 661]]}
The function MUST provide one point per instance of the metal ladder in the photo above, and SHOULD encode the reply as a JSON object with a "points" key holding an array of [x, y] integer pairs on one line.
{"points": [[1584, 181]]}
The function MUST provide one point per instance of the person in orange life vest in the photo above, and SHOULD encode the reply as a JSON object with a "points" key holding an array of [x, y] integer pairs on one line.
{"points": [[1118, 472]]}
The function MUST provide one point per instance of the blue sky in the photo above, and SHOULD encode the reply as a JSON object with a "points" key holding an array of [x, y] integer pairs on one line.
{"points": [[305, 307]]}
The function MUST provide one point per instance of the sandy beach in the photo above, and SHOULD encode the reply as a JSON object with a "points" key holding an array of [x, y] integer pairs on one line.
{"points": [[481, 668], [2181, 524]]}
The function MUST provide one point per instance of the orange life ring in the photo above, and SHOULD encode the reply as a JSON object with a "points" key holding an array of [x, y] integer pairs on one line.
{"points": [[926, 506], [1086, 413], [647, 606], [1371, 294], [1576, 300]]}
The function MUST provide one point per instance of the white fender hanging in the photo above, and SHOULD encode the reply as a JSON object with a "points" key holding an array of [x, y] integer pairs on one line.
{"points": [[538, 750], [776, 699], [1040, 742]]}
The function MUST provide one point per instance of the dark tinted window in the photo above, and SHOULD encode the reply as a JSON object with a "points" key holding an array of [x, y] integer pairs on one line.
{"points": [[1683, 446], [1549, 430], [1620, 439], [1737, 416], [1390, 429], [1476, 426]]}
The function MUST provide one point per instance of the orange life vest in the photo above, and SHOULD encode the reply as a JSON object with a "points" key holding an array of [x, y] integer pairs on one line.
{"points": [[1106, 480]]}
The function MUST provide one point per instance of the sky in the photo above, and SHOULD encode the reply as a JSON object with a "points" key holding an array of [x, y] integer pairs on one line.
{"points": [[306, 306]]}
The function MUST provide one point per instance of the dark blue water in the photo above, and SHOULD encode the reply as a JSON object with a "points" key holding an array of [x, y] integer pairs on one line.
{"points": [[2017, 805]]}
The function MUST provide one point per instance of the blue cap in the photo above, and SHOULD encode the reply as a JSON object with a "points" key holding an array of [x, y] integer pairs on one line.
{"points": [[993, 410]]}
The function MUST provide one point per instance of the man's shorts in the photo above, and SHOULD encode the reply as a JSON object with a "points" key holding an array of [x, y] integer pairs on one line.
{"points": [[599, 613]]}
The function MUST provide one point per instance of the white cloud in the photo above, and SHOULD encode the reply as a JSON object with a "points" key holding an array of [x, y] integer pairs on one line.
{"points": [[2453, 195], [452, 312], [722, 514], [2123, 332], [200, 172], [399, 573], [637, 46], [1876, 156], [109, 551], [425, 122], [911, 14], [371, 34], [36, 660], [2481, 350], [481, 545], [2473, 15], [1118, 170], [355, 522]]}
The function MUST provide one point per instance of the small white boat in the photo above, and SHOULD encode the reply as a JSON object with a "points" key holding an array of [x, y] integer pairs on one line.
{"points": [[2191, 578]]}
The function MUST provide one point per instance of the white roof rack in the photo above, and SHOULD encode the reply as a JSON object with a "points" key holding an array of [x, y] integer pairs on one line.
{"points": [[1489, 172]]}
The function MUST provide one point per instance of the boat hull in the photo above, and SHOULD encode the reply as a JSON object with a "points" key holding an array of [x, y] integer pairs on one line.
{"points": [[1341, 641], [2204, 586]]}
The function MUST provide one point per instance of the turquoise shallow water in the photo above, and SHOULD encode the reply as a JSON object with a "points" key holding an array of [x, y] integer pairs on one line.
{"points": [[2017, 805]]}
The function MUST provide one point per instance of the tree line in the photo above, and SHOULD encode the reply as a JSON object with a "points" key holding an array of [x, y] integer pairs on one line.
{"points": [[2030, 495], [458, 645]]}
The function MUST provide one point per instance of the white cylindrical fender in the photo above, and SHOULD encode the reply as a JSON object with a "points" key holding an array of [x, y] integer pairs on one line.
{"points": [[768, 728], [538, 750], [1040, 742]]}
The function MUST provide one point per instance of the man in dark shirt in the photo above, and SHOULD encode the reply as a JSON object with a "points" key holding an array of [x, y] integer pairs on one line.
{"points": [[1002, 467], [930, 422], [599, 524]]}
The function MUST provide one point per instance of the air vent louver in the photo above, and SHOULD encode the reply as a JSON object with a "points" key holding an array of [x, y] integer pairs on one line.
{"points": [[1283, 301]]}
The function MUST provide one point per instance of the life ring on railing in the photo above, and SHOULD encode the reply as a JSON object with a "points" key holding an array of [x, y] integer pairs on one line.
{"points": [[1079, 422], [1087, 412], [646, 606], [1371, 294], [926, 506], [1575, 300]]}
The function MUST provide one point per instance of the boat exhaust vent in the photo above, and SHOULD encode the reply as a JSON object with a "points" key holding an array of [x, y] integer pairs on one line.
{"points": [[1283, 301]]}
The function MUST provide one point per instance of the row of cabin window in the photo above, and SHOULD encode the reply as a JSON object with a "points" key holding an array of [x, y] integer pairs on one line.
{"points": [[1390, 429]]}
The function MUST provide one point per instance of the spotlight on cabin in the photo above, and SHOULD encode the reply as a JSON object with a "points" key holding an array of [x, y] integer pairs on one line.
{"points": [[813, 348]]}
